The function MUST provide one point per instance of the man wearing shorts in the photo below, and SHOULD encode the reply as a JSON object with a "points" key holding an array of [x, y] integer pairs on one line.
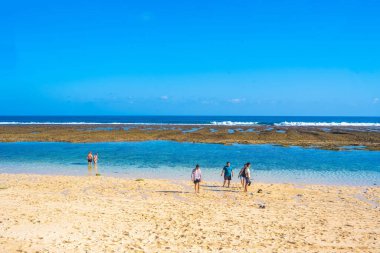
{"points": [[228, 173], [89, 157]]}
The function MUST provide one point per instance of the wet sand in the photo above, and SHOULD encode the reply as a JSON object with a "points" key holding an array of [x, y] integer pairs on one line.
{"points": [[104, 214]]}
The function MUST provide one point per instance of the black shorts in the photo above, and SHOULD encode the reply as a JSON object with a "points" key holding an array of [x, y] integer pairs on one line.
{"points": [[197, 181], [227, 178], [89, 160]]}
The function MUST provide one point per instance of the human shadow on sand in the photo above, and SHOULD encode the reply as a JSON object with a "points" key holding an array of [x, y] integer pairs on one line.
{"points": [[172, 192], [222, 190], [211, 186], [217, 186]]}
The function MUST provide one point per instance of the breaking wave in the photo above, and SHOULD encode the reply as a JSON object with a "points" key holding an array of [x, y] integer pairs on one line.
{"points": [[328, 124]]}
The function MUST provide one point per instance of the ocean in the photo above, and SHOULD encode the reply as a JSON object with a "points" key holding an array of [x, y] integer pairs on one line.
{"points": [[173, 160], [197, 120]]}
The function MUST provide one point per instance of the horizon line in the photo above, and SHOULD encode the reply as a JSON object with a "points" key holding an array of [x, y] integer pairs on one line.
{"points": [[188, 115]]}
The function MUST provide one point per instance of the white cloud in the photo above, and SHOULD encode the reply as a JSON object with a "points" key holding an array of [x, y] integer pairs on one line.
{"points": [[164, 97], [237, 100], [375, 100]]}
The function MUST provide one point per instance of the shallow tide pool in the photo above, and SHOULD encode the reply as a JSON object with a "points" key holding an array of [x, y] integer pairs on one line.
{"points": [[173, 160]]}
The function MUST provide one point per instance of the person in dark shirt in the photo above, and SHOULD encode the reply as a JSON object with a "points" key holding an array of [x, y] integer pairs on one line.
{"points": [[228, 173]]}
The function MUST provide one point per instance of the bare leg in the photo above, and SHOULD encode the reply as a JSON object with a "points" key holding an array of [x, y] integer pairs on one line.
{"points": [[195, 187], [89, 169], [198, 186], [229, 181], [224, 183], [242, 182]]}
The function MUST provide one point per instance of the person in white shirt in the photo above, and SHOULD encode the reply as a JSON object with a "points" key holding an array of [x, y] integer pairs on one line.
{"points": [[196, 177], [241, 175]]}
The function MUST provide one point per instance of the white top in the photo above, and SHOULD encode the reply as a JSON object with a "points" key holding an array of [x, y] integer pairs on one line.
{"points": [[247, 173]]}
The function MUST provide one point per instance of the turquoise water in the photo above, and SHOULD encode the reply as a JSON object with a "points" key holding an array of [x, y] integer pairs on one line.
{"points": [[172, 160]]}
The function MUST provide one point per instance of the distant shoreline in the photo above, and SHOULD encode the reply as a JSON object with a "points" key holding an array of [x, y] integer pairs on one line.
{"points": [[329, 138]]}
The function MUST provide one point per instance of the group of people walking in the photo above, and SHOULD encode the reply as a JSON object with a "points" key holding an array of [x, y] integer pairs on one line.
{"points": [[196, 174], [227, 173]]}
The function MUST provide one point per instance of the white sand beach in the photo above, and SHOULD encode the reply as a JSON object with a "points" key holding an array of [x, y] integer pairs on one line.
{"points": [[104, 214]]}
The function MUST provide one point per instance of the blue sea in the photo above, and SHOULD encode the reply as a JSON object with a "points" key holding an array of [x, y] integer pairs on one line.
{"points": [[173, 160], [197, 120]]}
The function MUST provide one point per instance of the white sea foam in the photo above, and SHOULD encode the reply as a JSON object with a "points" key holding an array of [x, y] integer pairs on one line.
{"points": [[213, 123], [328, 124], [233, 123], [98, 123]]}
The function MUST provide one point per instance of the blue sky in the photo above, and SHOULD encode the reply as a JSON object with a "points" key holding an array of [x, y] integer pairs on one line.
{"points": [[211, 57]]}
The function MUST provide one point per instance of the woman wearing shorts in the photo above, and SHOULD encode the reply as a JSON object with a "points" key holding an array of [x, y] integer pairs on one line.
{"points": [[196, 177]]}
